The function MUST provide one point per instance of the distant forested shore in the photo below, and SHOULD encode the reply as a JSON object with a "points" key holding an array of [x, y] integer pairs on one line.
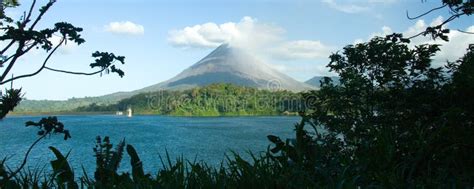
{"points": [[212, 100]]}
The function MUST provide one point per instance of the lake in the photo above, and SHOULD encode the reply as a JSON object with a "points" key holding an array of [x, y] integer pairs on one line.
{"points": [[202, 138]]}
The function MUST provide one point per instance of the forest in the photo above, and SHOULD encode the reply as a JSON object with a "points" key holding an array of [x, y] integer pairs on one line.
{"points": [[213, 100]]}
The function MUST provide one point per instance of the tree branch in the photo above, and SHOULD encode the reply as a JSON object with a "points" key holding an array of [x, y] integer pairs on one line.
{"points": [[25, 158], [40, 69], [29, 48], [466, 32], [22, 53], [424, 14], [75, 73], [451, 18], [7, 47], [12, 62], [46, 7], [27, 19]]}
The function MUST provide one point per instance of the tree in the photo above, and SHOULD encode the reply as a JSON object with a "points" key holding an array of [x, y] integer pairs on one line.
{"points": [[393, 121], [20, 37]]}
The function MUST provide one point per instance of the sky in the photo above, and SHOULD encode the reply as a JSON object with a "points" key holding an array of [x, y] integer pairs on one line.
{"points": [[161, 38]]}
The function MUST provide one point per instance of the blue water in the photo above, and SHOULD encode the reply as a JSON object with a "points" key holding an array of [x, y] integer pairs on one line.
{"points": [[205, 139]]}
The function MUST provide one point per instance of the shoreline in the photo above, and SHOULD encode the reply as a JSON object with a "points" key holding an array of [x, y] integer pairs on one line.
{"points": [[142, 114]]}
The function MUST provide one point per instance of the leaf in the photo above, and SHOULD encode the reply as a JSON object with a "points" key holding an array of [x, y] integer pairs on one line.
{"points": [[277, 149], [116, 157], [31, 123], [136, 163], [405, 40], [274, 139], [62, 171]]}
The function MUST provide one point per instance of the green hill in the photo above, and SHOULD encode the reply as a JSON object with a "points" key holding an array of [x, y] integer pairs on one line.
{"points": [[212, 100]]}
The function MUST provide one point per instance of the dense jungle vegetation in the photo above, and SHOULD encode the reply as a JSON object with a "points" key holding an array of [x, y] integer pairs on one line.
{"points": [[213, 100]]}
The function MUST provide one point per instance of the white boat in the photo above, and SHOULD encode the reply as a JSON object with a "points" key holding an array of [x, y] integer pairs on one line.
{"points": [[129, 112]]}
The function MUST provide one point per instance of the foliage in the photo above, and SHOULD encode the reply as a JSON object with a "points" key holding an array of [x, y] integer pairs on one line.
{"points": [[49, 125], [62, 172], [21, 37], [9, 101], [394, 121], [457, 9], [212, 100], [60, 106]]}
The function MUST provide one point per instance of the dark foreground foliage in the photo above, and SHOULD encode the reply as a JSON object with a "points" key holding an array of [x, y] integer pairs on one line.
{"points": [[392, 122]]}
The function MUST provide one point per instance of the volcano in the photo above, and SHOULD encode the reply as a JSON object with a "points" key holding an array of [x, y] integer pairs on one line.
{"points": [[228, 64]]}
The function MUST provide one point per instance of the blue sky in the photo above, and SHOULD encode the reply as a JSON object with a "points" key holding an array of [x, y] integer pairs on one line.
{"points": [[161, 38]]}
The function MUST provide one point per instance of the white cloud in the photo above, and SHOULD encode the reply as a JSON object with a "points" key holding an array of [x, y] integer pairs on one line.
{"points": [[127, 28], [303, 49], [347, 8], [249, 33], [450, 51], [352, 7], [66, 48], [455, 48], [305, 70]]}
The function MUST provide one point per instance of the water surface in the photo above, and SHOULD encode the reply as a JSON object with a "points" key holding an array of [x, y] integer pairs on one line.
{"points": [[201, 138]]}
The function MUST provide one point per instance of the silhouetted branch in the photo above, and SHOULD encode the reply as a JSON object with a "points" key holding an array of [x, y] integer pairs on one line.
{"points": [[7, 47], [42, 12], [22, 53], [7, 59], [75, 73], [466, 32], [27, 19], [23, 24], [41, 68], [12, 62], [424, 14], [439, 27], [25, 158]]}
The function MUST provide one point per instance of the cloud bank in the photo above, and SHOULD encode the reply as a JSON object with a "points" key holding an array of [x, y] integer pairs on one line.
{"points": [[125, 28], [247, 32], [251, 34]]}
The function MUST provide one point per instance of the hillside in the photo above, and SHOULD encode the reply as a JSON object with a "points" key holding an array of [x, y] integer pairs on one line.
{"points": [[212, 100]]}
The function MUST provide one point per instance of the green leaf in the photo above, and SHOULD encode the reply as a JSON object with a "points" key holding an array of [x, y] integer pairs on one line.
{"points": [[62, 171], [136, 163]]}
